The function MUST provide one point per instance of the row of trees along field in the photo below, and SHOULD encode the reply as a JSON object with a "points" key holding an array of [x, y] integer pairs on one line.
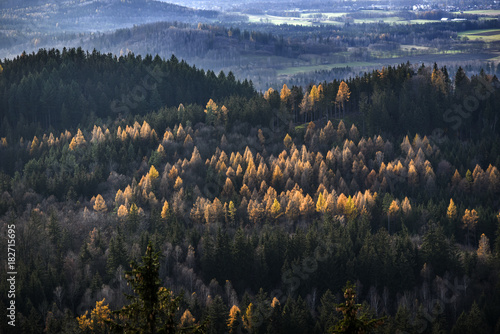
{"points": [[246, 206]]}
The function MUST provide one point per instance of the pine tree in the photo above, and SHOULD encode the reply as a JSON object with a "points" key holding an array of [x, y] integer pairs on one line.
{"points": [[469, 219], [355, 320], [152, 308]]}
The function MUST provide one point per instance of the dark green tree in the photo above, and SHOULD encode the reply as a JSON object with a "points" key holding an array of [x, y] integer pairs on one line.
{"points": [[152, 308], [355, 320]]}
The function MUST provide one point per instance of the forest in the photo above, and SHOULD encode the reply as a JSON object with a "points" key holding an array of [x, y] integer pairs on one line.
{"points": [[267, 46], [142, 188]]}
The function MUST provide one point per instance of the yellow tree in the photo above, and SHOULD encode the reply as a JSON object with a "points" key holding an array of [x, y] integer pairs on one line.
{"points": [[285, 94], [484, 251], [406, 206], [153, 173], [277, 177], [164, 210], [451, 213], [268, 93], [314, 95], [251, 319], [122, 211], [343, 95], [276, 209], [392, 213], [98, 321], [178, 183], [288, 141], [77, 140], [145, 130], [234, 322], [307, 206], [211, 112], [350, 209], [100, 204], [187, 320], [35, 144], [321, 203]]}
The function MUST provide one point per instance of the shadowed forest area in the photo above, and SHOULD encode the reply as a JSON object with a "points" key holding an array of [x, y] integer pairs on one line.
{"points": [[247, 211]]}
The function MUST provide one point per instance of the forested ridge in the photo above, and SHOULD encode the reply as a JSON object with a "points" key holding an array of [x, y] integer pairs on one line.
{"points": [[262, 206]]}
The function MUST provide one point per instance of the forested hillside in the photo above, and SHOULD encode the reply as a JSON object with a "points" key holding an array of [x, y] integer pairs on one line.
{"points": [[262, 206], [60, 90]]}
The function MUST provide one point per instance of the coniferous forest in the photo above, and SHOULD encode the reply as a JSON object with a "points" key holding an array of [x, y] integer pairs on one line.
{"points": [[146, 195]]}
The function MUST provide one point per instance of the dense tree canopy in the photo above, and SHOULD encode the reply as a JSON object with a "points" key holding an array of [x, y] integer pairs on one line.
{"points": [[260, 219]]}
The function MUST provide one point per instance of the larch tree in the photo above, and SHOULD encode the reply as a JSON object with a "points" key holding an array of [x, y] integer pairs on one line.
{"points": [[234, 322], [165, 210], [321, 203], [451, 212], [268, 93], [98, 321], [153, 173], [484, 251], [276, 210], [341, 131], [100, 204], [187, 320], [288, 141], [406, 206], [392, 212], [343, 95], [122, 211], [285, 94], [306, 105]]}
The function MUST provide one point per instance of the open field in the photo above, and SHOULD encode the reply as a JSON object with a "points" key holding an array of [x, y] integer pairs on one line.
{"points": [[490, 12], [309, 19], [279, 20], [304, 69], [414, 47], [491, 35], [390, 20]]}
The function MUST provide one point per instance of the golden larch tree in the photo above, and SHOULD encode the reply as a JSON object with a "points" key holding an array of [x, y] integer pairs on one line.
{"points": [[164, 210], [343, 95], [268, 93], [153, 173], [234, 322], [451, 213], [285, 93], [100, 204], [98, 320], [122, 211], [187, 319], [484, 251], [288, 141]]}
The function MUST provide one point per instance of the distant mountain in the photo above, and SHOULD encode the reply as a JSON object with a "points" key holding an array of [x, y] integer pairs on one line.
{"points": [[97, 15], [34, 24]]}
